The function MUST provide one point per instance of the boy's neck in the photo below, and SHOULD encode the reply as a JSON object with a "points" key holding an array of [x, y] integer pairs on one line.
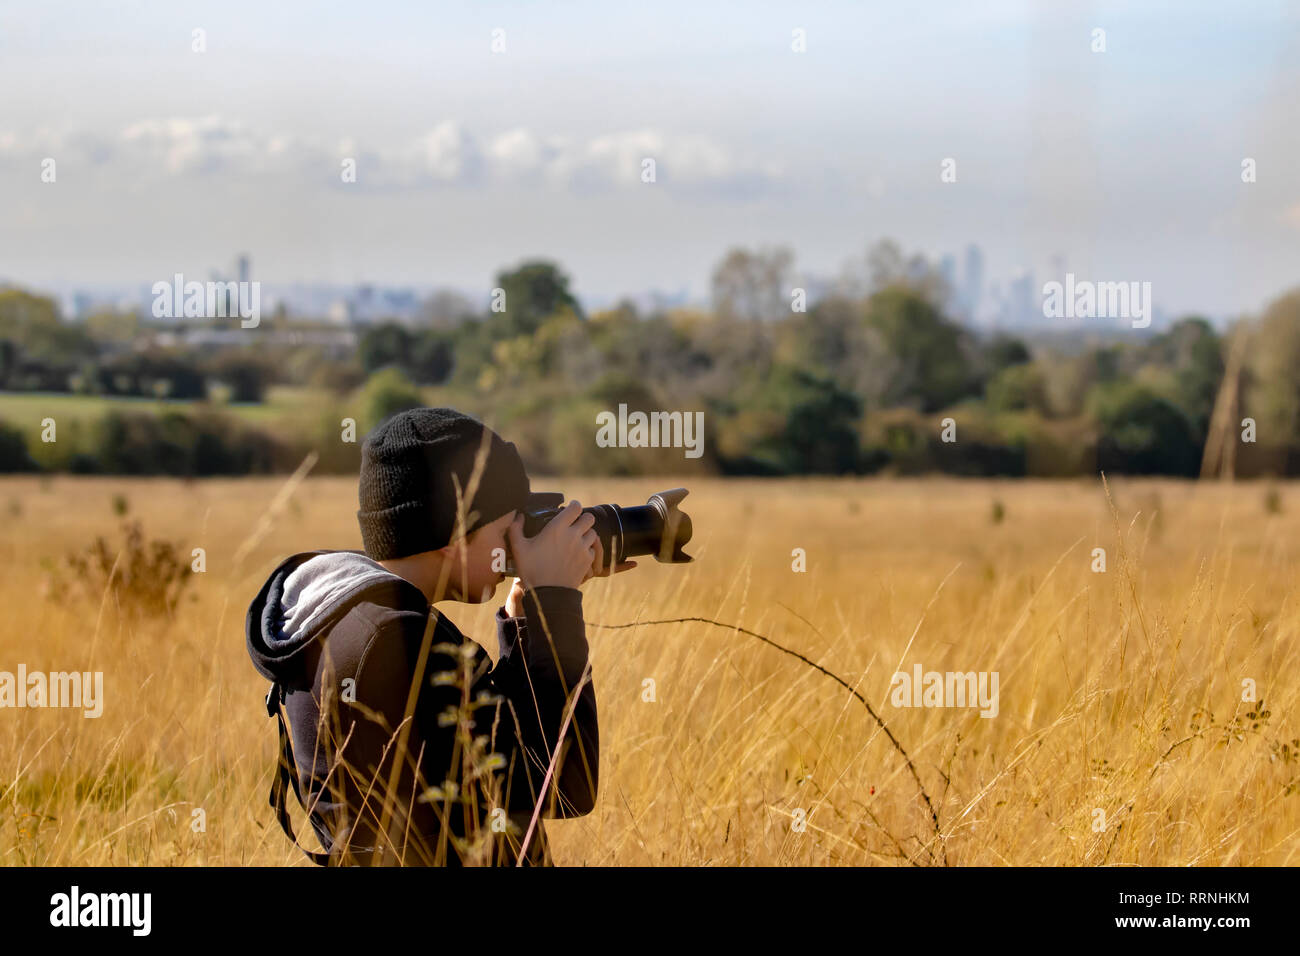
{"points": [[423, 570]]}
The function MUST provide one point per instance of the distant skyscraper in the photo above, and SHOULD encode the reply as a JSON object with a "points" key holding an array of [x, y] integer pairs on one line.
{"points": [[1056, 273], [972, 290], [948, 270], [243, 267], [997, 311], [82, 305], [1023, 305]]}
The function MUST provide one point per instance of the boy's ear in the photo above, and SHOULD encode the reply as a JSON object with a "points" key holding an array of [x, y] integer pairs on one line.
{"points": [[452, 547]]}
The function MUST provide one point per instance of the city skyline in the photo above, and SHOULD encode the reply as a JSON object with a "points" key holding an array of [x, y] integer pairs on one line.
{"points": [[976, 300]]}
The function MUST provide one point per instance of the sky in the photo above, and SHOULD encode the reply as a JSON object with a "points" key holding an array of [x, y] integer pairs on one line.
{"points": [[1125, 163]]}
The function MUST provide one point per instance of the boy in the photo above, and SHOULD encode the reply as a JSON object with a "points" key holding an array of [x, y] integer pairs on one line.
{"points": [[406, 745]]}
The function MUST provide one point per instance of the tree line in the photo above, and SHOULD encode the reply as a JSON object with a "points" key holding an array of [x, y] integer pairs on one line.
{"points": [[872, 376]]}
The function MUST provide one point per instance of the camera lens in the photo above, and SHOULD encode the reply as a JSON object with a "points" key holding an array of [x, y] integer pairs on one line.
{"points": [[657, 527]]}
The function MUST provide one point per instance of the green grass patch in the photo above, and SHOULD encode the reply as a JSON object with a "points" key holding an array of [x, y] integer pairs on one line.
{"points": [[284, 405]]}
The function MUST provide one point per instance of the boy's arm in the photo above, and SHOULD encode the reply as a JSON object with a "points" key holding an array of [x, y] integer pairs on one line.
{"points": [[544, 655], [523, 728]]}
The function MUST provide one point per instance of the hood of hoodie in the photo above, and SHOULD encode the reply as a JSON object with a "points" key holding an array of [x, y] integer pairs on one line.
{"points": [[302, 599]]}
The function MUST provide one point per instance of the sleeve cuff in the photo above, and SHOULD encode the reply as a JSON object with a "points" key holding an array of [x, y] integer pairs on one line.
{"points": [[554, 600], [507, 633], [561, 607]]}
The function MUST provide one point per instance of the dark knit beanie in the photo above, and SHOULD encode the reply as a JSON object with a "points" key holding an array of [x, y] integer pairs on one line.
{"points": [[411, 468]]}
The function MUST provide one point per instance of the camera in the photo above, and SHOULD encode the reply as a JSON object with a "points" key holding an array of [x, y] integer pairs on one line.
{"points": [[657, 527]]}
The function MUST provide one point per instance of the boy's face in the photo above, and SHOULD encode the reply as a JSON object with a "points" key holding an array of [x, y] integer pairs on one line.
{"points": [[472, 578]]}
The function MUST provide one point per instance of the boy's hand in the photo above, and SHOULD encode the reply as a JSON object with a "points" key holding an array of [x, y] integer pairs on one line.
{"points": [[598, 568], [560, 555], [515, 599]]}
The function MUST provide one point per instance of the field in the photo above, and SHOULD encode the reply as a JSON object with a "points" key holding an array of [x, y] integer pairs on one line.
{"points": [[1121, 735], [284, 405]]}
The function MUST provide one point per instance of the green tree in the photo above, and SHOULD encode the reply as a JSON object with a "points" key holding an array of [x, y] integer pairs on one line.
{"points": [[154, 374], [431, 358], [792, 421], [13, 451], [112, 326], [754, 286], [33, 324], [534, 292], [246, 376], [1141, 432], [1017, 388], [387, 343], [929, 368], [29, 320], [885, 265], [1003, 351], [387, 392], [1273, 393], [1192, 353]]}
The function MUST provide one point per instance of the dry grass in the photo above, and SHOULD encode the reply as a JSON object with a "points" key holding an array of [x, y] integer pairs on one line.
{"points": [[1119, 691]]}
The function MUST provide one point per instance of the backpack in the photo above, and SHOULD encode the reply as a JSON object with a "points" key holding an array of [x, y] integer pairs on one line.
{"points": [[287, 775]]}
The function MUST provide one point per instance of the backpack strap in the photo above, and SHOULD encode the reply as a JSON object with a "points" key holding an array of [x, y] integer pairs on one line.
{"points": [[287, 775]]}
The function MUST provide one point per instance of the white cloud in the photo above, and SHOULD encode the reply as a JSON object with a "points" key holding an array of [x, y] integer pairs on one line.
{"points": [[693, 163], [520, 155], [203, 144], [446, 155]]}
